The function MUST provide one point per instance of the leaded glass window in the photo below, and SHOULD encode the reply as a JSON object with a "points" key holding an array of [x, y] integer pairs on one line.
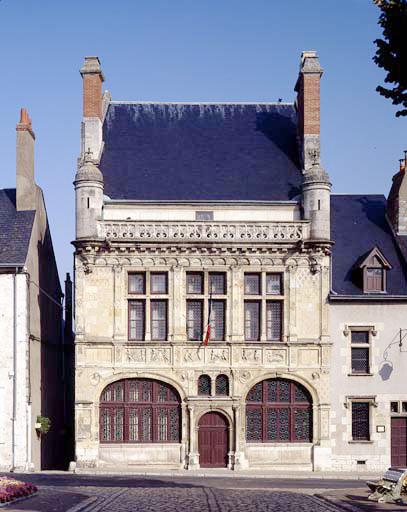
{"points": [[252, 284], [137, 319], [158, 320], [274, 284], [273, 320], [254, 425], [217, 283], [360, 421], [360, 351], [252, 320], [195, 283], [139, 410], [158, 283], [217, 320], [194, 320], [204, 385], [222, 385], [137, 283], [360, 360], [282, 408]]}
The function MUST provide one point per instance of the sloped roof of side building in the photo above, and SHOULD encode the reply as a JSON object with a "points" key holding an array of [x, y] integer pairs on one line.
{"points": [[358, 225], [199, 151], [15, 230]]}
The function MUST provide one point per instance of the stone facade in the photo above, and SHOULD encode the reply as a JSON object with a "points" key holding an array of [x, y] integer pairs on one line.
{"points": [[117, 238], [104, 353]]}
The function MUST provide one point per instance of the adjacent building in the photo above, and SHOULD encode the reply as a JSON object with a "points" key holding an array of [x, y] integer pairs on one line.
{"points": [[191, 215], [32, 359]]}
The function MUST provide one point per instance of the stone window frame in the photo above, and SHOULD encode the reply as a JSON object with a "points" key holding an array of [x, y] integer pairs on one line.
{"points": [[205, 296], [371, 329], [147, 298], [401, 408], [371, 400], [264, 299]]}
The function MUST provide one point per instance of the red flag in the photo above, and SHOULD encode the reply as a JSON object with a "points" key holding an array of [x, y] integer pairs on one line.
{"points": [[208, 327]]}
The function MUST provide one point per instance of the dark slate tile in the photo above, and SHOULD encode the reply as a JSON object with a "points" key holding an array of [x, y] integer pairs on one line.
{"points": [[15, 229], [200, 152], [358, 223]]}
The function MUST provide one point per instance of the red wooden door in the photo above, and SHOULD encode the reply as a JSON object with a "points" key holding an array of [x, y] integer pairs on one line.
{"points": [[399, 442], [213, 440]]}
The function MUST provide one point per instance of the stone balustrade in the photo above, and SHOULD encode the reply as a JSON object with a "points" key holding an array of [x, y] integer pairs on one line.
{"points": [[190, 231]]}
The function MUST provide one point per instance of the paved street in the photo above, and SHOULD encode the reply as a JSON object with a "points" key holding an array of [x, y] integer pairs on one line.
{"points": [[82, 493]]}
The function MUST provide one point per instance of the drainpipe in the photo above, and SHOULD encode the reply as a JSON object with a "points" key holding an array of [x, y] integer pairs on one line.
{"points": [[14, 413], [28, 462]]}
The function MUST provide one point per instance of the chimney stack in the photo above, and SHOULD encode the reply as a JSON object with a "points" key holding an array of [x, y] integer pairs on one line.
{"points": [[397, 200], [93, 79], [26, 189], [308, 105]]}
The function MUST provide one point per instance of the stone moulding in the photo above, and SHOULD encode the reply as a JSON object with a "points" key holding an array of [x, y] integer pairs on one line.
{"points": [[203, 231]]}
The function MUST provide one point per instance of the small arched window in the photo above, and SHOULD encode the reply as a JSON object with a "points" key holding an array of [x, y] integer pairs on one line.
{"points": [[222, 385], [204, 385], [139, 411]]}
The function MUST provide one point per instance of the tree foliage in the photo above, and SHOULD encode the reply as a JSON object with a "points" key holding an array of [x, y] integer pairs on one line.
{"points": [[391, 53]]}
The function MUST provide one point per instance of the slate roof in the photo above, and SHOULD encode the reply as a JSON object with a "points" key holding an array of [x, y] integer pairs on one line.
{"points": [[237, 152], [15, 230], [358, 224]]}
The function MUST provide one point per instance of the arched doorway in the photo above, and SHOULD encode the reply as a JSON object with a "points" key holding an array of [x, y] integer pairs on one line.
{"points": [[213, 440]]}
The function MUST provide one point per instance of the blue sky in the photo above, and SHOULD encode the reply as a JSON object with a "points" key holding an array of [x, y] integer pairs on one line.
{"points": [[180, 50]]}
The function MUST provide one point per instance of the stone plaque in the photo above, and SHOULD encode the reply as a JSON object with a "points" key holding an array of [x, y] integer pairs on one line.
{"points": [[276, 357]]}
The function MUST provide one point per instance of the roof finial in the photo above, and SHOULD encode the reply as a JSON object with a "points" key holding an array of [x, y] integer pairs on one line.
{"points": [[88, 155]]}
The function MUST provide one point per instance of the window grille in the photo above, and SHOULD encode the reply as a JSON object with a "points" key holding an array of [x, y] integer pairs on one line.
{"points": [[360, 351], [137, 319], [274, 284], [222, 385], [278, 410], [195, 283], [217, 283], [360, 360], [252, 320], [143, 411], [158, 283], [217, 320], [158, 320], [273, 320], [194, 320], [204, 385], [137, 283], [252, 284], [360, 421]]}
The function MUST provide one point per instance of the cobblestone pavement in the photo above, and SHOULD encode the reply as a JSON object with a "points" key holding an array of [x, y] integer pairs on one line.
{"points": [[74, 493]]}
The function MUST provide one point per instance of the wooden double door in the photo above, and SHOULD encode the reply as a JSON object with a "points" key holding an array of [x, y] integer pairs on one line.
{"points": [[213, 440], [399, 442]]}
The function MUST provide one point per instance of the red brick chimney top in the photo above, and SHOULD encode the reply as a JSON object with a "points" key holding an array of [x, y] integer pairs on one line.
{"points": [[25, 123]]}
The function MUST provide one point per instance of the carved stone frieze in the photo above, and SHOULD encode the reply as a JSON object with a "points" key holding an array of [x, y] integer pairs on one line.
{"points": [[199, 231]]}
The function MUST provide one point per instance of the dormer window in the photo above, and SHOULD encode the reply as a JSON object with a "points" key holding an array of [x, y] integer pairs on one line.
{"points": [[374, 267]]}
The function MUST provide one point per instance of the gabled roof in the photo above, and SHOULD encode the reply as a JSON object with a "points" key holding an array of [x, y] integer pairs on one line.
{"points": [[358, 223], [376, 253], [15, 230], [180, 151]]}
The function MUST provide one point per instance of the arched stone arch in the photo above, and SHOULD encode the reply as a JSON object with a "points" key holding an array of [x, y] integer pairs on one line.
{"points": [[104, 382], [214, 408], [283, 375]]}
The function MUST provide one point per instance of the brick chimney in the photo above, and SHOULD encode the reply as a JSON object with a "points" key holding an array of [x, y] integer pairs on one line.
{"points": [[308, 105], [26, 189], [93, 79], [397, 200]]}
